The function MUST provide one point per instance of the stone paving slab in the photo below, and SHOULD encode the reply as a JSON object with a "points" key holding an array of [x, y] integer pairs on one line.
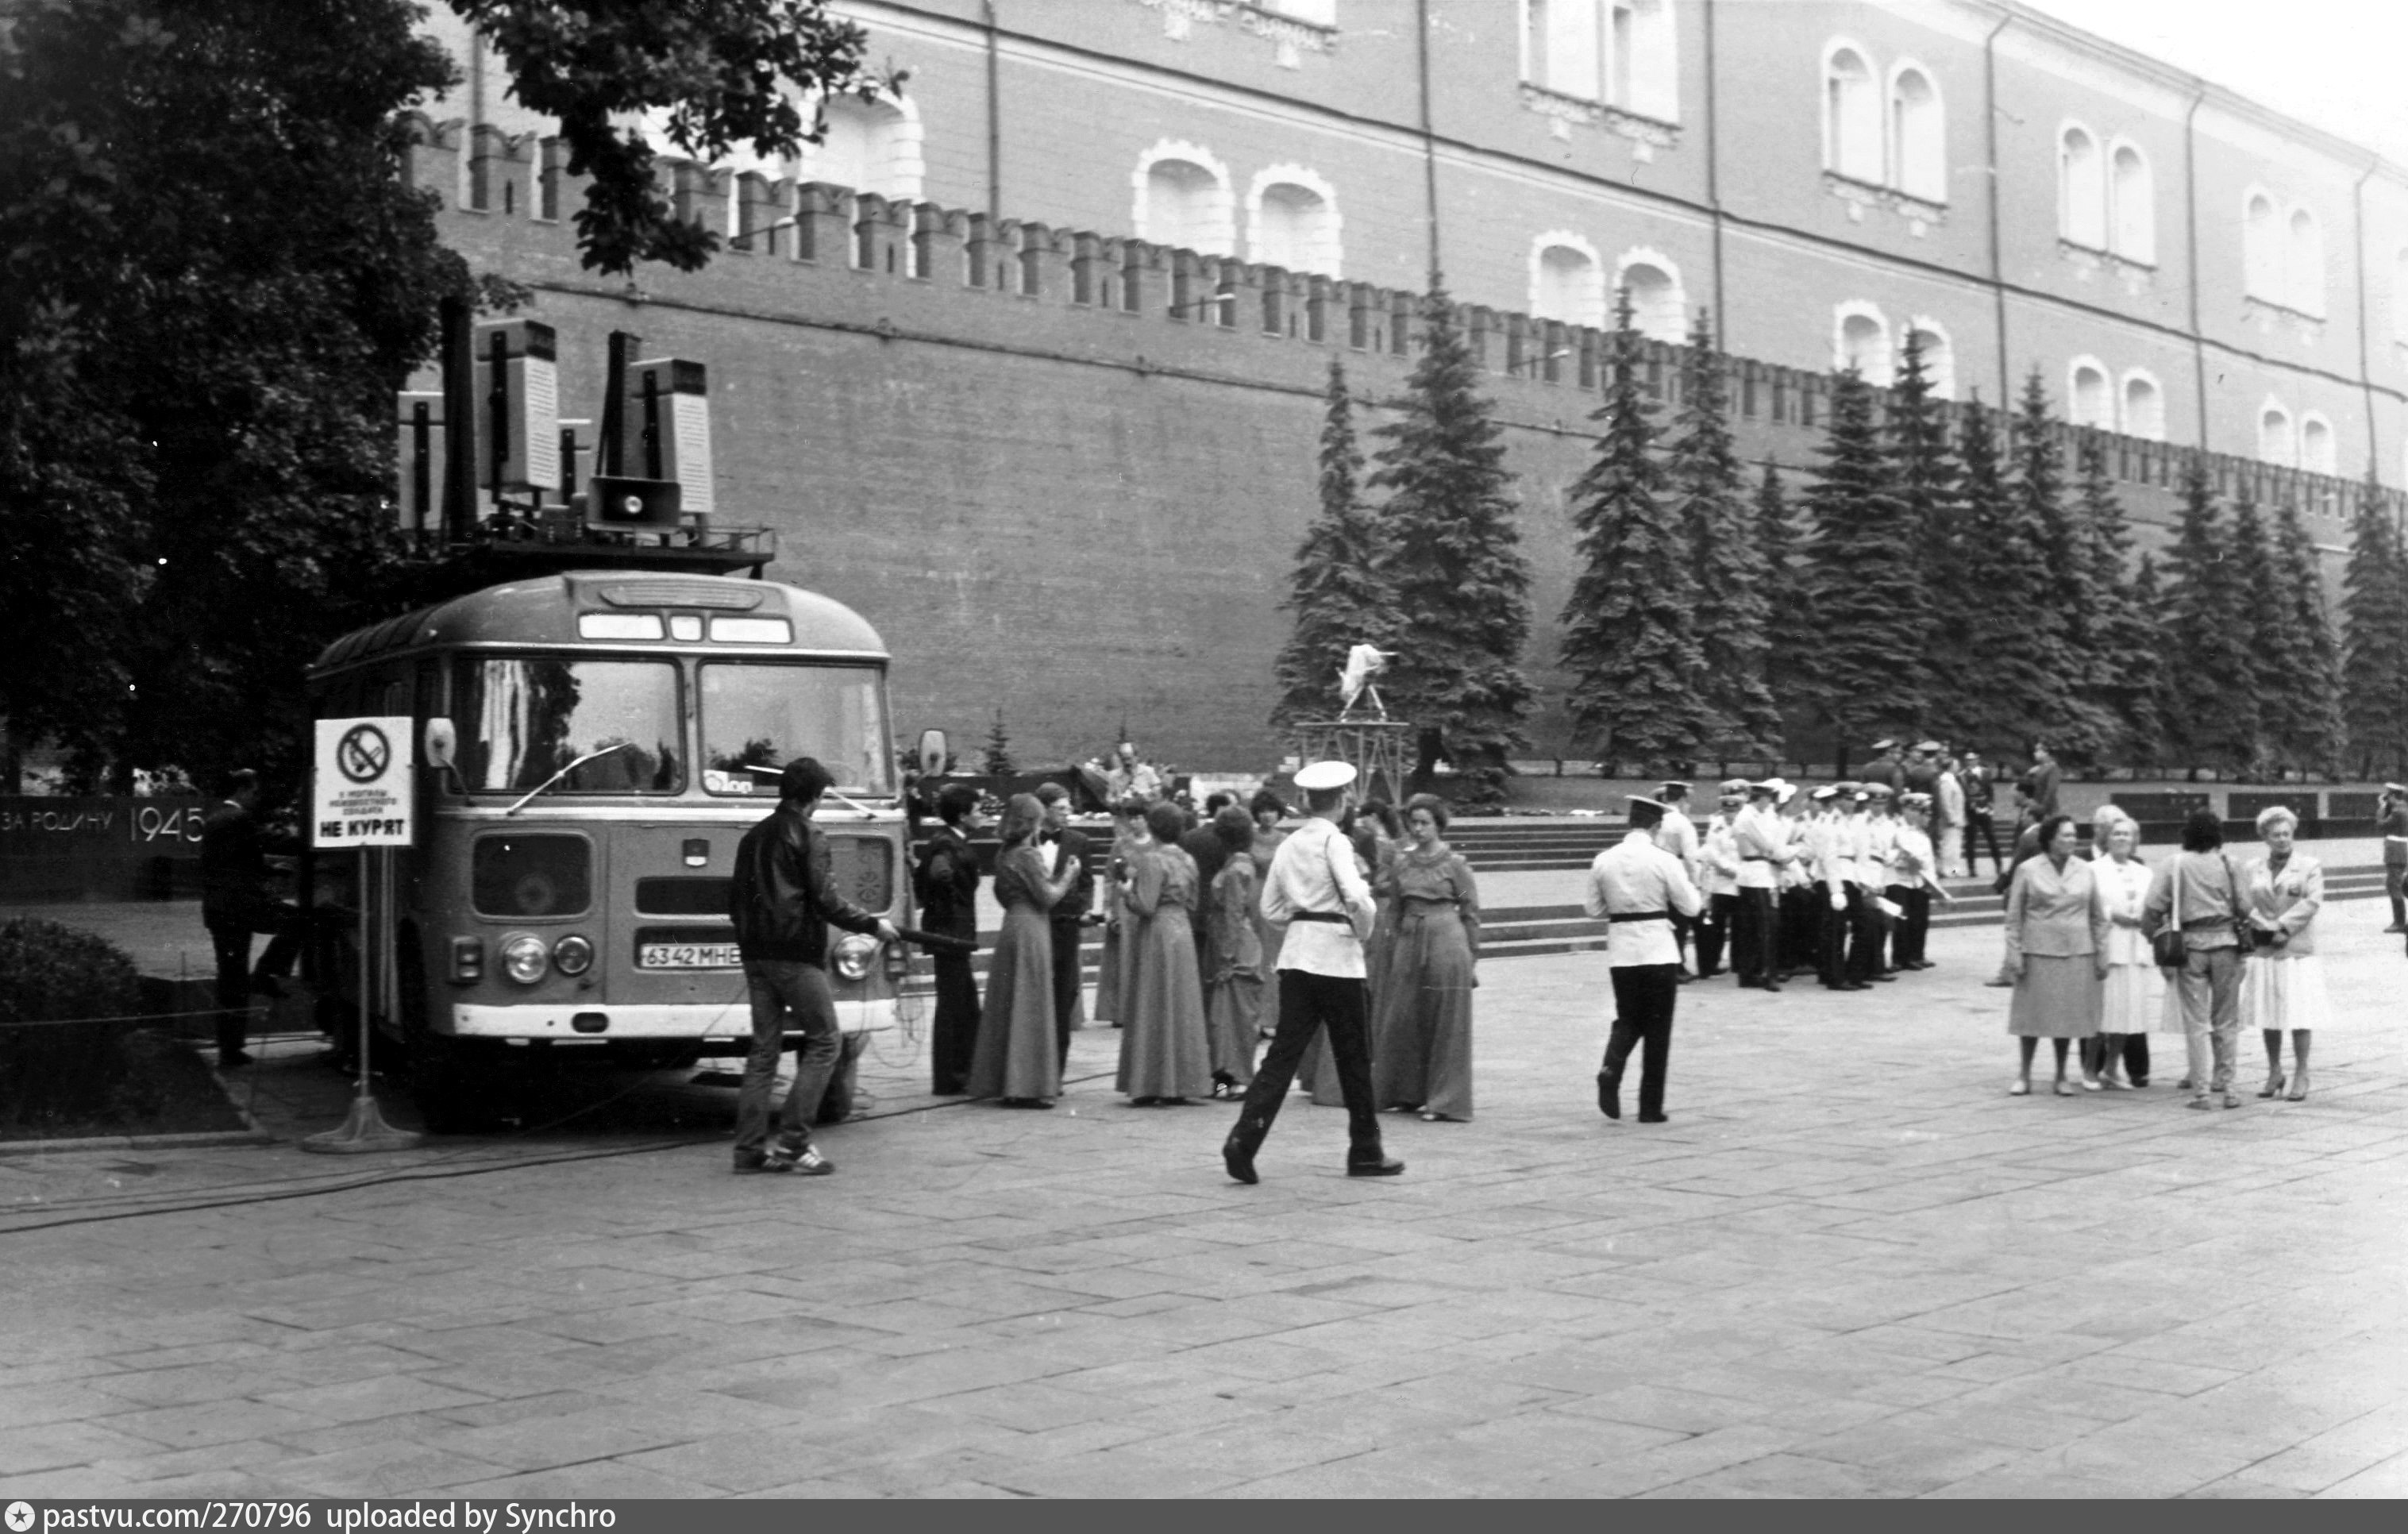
{"points": [[1850, 1265]]}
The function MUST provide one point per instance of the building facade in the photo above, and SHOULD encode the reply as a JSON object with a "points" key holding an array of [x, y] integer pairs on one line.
{"points": [[1026, 359]]}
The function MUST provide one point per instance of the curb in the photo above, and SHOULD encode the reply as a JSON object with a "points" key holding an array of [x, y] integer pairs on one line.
{"points": [[138, 1143]]}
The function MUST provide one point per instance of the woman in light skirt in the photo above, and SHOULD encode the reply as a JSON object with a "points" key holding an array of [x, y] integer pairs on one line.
{"points": [[2057, 952], [2282, 980], [2135, 994]]}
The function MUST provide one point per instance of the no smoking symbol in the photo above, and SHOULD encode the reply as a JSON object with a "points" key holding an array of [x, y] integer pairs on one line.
{"points": [[363, 754]]}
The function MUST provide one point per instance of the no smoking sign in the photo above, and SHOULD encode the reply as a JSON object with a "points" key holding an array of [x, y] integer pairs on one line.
{"points": [[361, 795]]}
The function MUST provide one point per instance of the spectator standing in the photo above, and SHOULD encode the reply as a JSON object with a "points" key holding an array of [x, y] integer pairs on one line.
{"points": [[1885, 769], [1017, 1061], [1268, 809], [1119, 966], [2282, 981], [2057, 939], [948, 882], [2199, 893], [2135, 990], [2045, 777], [1202, 843], [237, 900], [1233, 986], [1981, 788], [1165, 1059], [1066, 847], [2393, 814], [1420, 1030], [1948, 819]]}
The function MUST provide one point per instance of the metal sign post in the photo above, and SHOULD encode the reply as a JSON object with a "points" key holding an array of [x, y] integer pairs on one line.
{"points": [[361, 798]]}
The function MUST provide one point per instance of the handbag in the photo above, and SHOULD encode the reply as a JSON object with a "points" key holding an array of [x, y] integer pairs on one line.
{"points": [[2167, 948]]}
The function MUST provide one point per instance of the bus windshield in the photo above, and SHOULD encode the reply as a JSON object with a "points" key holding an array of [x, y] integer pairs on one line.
{"points": [[521, 721], [758, 714]]}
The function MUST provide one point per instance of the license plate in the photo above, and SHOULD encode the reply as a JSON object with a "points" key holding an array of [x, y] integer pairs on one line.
{"points": [[687, 957]]}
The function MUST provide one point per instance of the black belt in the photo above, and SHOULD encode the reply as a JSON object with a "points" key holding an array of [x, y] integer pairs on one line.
{"points": [[1322, 916], [1640, 916], [1754, 857]]}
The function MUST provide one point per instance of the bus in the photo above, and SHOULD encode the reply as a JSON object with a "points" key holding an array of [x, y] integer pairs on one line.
{"points": [[592, 746]]}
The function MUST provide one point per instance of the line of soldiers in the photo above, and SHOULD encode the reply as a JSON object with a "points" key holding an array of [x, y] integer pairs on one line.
{"points": [[1839, 882]]}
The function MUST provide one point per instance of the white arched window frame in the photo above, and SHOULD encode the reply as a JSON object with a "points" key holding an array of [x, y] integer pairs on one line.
{"points": [[2277, 442], [1659, 304], [1568, 281], [1852, 113], [2080, 188], [2303, 262], [1939, 354], [870, 146], [1563, 46], [1860, 339], [1182, 199], [2319, 452], [2089, 393], [2131, 204], [2144, 405], [1292, 221], [2261, 246], [1918, 133], [1643, 59]]}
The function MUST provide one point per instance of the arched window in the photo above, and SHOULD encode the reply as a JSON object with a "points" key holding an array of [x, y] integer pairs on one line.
{"points": [[2317, 454], [1183, 200], [1563, 46], [1860, 339], [2261, 251], [1567, 280], [2304, 265], [1939, 355], [1645, 64], [2144, 407], [870, 146], [2133, 224], [1852, 116], [1293, 217], [2082, 189], [1659, 306], [1918, 153], [2088, 400], [2274, 443]]}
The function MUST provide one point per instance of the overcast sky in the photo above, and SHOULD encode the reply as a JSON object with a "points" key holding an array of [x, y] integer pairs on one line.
{"points": [[2339, 64]]}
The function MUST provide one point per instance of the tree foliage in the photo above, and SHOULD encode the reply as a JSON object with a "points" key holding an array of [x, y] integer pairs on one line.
{"points": [[2311, 697], [1865, 572], [1340, 594], [1793, 636], [1733, 610], [2125, 671], [2014, 688], [2374, 657], [2065, 641], [1456, 562], [2210, 691]]}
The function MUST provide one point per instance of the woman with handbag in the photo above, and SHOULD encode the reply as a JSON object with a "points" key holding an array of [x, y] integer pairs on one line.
{"points": [[2135, 991], [2057, 954], [2283, 982], [2193, 918]]}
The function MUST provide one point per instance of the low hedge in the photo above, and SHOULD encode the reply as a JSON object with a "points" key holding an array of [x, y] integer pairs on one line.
{"points": [[59, 1075]]}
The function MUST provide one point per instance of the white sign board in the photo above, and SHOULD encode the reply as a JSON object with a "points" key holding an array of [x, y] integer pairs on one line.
{"points": [[362, 794]]}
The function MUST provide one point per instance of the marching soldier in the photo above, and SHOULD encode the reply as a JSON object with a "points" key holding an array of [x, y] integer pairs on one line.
{"points": [[1758, 842], [1638, 888]]}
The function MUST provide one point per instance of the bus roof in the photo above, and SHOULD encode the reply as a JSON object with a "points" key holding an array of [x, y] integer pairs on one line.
{"points": [[544, 611]]}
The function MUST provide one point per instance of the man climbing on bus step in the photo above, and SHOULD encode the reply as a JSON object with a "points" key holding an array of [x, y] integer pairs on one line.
{"points": [[238, 899], [783, 905]]}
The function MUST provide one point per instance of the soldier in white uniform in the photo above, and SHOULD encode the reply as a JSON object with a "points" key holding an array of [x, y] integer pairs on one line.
{"points": [[1638, 888], [1835, 842], [1718, 878], [1761, 843], [1879, 834], [1678, 836]]}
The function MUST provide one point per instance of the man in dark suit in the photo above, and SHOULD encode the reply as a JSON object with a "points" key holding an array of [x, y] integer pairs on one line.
{"points": [[237, 900], [1204, 844], [1062, 841], [947, 885]]}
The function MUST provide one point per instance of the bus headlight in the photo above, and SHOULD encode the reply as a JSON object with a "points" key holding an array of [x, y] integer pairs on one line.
{"points": [[524, 958], [572, 956], [853, 955]]}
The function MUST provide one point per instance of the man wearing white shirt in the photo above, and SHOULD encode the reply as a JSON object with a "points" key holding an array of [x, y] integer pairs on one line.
{"points": [[1315, 883], [1638, 888], [1762, 845], [1678, 836], [1717, 878]]}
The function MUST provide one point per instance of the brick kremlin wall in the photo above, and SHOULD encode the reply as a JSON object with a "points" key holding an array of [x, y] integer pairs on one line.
{"points": [[1051, 493]]}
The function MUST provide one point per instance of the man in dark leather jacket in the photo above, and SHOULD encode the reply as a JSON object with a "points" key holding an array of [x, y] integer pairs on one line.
{"points": [[783, 905], [238, 900]]}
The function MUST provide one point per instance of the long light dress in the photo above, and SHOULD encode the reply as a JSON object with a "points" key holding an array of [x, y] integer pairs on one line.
{"points": [[1163, 1048], [2135, 997], [2282, 989], [1421, 1029], [1233, 992], [2055, 927], [1113, 964], [1016, 1053]]}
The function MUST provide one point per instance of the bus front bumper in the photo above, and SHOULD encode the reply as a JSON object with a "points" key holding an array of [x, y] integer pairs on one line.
{"points": [[603, 1023]]}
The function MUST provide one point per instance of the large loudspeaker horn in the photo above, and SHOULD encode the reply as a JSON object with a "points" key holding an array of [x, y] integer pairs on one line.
{"points": [[617, 504]]}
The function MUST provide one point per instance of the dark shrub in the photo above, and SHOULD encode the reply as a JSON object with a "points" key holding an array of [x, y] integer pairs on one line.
{"points": [[71, 1072]]}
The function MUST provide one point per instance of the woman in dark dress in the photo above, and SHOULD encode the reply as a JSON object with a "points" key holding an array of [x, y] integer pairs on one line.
{"points": [[1233, 987], [948, 891], [1016, 1060], [1420, 1030], [1164, 1057]]}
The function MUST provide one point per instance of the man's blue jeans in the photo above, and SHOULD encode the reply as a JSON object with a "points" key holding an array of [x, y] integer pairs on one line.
{"points": [[786, 994]]}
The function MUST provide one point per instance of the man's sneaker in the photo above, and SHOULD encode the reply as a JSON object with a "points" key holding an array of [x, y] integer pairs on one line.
{"points": [[807, 1163]]}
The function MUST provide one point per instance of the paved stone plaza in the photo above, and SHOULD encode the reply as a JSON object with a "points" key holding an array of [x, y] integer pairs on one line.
{"points": [[1851, 1265]]}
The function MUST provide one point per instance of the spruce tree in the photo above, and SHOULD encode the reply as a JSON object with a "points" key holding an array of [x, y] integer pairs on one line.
{"points": [[2316, 700], [2015, 687], [2122, 678], [1454, 561], [1925, 471], [2079, 730], [1791, 671], [1863, 567], [2147, 728], [1733, 610], [1629, 641], [2275, 648], [1338, 594], [2211, 688], [2374, 654], [999, 749]]}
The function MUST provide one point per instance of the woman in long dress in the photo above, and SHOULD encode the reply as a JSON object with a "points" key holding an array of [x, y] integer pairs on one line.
{"points": [[2282, 980], [2057, 941], [1016, 1060], [1233, 991], [1268, 809], [1164, 1057], [1421, 1052], [2135, 994], [1113, 973]]}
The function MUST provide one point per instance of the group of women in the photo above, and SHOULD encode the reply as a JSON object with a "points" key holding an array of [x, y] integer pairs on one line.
{"points": [[2085, 953]]}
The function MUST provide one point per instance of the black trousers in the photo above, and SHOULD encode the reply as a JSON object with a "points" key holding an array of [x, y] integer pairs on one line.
{"points": [[1069, 980], [1868, 932], [230, 942], [1831, 964], [1978, 821], [2135, 1054], [1307, 1004], [1752, 936], [1713, 931], [1681, 929], [1907, 933], [1643, 995], [953, 1040], [1800, 928]]}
